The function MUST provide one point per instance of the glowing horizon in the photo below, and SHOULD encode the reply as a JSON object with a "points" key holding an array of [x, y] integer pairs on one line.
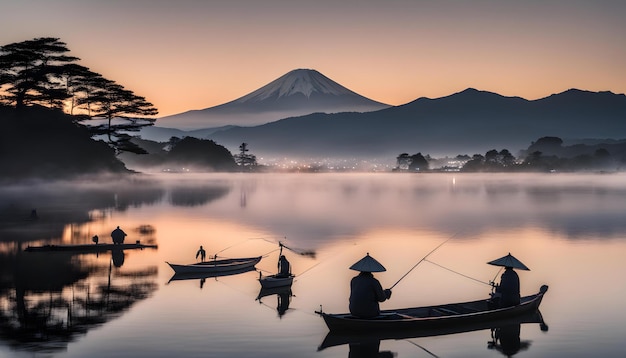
{"points": [[194, 55]]}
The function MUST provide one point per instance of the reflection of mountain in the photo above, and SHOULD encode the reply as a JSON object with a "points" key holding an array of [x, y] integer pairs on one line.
{"points": [[47, 300], [197, 195]]}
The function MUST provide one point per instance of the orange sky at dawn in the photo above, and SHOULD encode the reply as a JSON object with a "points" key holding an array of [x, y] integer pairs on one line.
{"points": [[184, 55]]}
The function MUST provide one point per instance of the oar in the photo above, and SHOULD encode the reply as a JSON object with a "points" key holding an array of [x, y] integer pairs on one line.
{"points": [[420, 261]]}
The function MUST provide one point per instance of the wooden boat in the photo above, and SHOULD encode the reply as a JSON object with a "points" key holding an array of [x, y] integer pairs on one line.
{"points": [[214, 266], [338, 338], [205, 275], [276, 280], [87, 248], [433, 317]]}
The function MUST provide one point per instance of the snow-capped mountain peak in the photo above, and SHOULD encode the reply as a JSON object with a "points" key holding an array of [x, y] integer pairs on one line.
{"points": [[302, 81]]}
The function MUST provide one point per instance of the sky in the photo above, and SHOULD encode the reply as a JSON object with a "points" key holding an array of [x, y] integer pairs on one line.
{"points": [[193, 54]]}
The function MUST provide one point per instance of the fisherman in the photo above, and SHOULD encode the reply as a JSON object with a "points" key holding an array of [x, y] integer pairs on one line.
{"points": [[509, 288], [508, 291], [118, 236], [201, 253], [284, 267], [365, 290]]}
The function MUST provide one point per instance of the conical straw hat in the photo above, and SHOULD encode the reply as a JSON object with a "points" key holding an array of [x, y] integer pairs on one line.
{"points": [[368, 264], [509, 261]]}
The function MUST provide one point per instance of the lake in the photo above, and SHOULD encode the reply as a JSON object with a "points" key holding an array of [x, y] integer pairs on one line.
{"points": [[569, 229]]}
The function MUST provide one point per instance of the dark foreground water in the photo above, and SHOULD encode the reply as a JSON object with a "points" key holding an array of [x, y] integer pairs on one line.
{"points": [[569, 229]]}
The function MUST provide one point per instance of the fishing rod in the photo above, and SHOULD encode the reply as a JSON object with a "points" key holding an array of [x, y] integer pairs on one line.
{"points": [[420, 261]]}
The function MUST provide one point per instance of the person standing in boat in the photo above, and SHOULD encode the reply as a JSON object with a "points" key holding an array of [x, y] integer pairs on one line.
{"points": [[366, 291], [284, 267], [201, 253], [118, 236]]}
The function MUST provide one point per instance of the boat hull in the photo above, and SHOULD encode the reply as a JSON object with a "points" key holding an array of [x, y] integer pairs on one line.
{"points": [[274, 281], [337, 338], [433, 317], [205, 275], [217, 266]]}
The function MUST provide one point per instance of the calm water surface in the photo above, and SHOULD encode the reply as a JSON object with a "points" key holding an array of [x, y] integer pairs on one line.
{"points": [[569, 229]]}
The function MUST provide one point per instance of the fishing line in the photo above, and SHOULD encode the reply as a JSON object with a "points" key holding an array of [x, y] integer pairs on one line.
{"points": [[424, 349], [241, 242], [420, 261], [458, 273]]}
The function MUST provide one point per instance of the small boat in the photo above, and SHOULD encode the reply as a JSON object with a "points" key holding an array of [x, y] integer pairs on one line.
{"points": [[433, 317], [205, 275], [214, 266], [86, 248], [279, 279], [276, 280], [334, 339]]}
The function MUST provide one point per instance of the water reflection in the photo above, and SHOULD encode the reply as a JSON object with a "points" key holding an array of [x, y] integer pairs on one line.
{"points": [[283, 298], [506, 339], [62, 203], [49, 299], [504, 335], [197, 196]]}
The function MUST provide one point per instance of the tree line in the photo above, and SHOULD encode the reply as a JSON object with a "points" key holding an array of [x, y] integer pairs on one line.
{"points": [[39, 72], [545, 155]]}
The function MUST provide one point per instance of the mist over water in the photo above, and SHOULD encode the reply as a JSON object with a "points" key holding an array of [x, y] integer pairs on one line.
{"points": [[549, 221]]}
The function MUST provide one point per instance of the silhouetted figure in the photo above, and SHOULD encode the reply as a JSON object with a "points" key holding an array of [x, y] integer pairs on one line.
{"points": [[283, 298], [118, 236], [118, 257], [365, 290], [95, 239], [506, 339], [33, 214], [367, 349], [284, 267], [202, 281], [509, 288], [201, 253], [508, 292]]}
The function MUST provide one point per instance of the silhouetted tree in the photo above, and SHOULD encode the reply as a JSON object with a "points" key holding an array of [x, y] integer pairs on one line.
{"points": [[506, 158], [110, 101], [475, 164], [403, 161], [31, 71], [39, 72], [245, 160], [418, 162]]}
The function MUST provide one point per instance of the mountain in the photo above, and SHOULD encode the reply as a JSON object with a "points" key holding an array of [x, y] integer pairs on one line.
{"points": [[468, 122], [296, 93]]}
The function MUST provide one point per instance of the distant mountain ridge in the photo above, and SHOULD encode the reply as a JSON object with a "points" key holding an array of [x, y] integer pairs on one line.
{"points": [[467, 122], [299, 92]]}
